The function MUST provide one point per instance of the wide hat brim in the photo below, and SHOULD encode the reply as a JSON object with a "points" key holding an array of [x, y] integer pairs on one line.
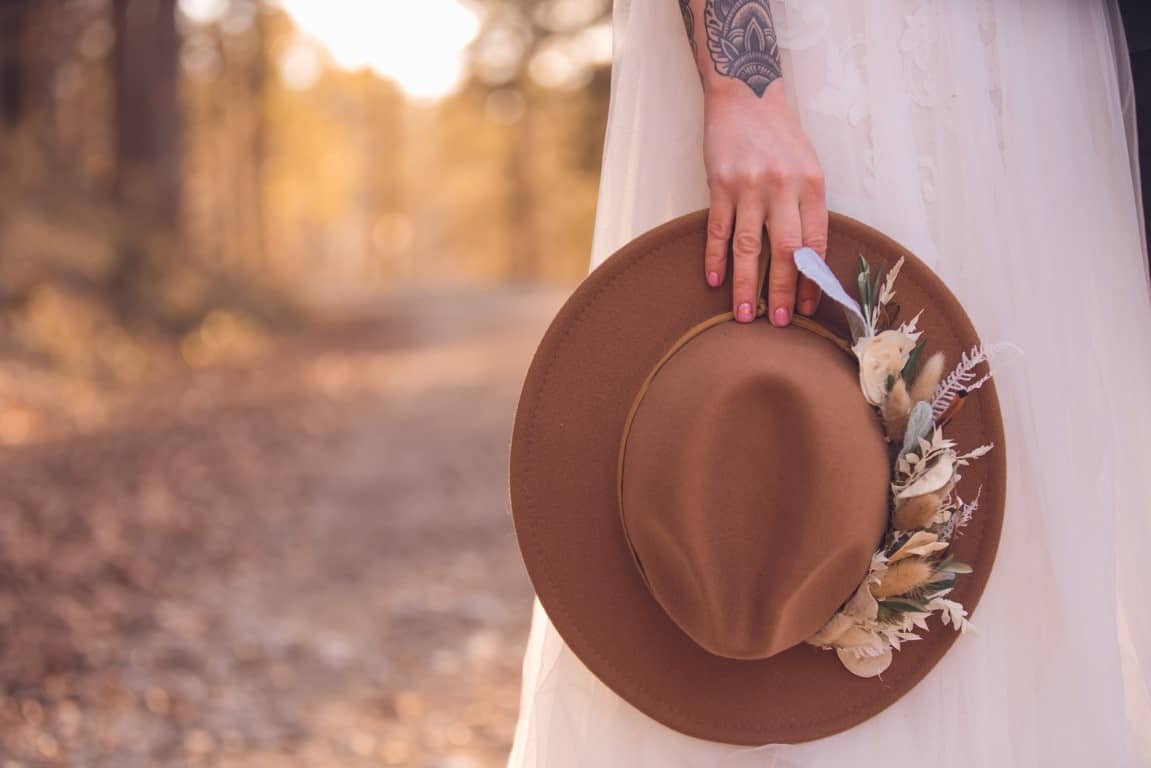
{"points": [[583, 379]]}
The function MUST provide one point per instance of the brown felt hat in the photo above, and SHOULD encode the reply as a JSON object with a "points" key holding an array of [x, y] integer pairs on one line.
{"points": [[695, 498]]}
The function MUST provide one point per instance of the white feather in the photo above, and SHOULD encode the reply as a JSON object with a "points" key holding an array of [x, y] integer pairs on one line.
{"points": [[815, 269]]}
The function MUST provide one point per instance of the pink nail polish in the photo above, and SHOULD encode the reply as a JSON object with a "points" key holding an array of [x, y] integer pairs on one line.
{"points": [[780, 316], [744, 313], [713, 279]]}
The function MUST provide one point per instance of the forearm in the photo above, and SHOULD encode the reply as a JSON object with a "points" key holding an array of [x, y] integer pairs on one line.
{"points": [[734, 45], [761, 167]]}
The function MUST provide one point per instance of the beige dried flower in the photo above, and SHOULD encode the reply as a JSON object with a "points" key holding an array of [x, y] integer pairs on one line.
{"points": [[921, 544], [832, 631], [939, 475], [881, 357], [864, 653], [862, 604], [865, 666]]}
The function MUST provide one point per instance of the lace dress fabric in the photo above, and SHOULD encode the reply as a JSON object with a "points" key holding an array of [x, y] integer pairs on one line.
{"points": [[995, 140]]}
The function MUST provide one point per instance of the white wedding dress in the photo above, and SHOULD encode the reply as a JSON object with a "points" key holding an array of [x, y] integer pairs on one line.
{"points": [[994, 139]]}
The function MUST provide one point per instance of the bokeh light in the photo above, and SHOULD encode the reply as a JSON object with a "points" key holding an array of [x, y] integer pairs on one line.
{"points": [[204, 11], [419, 45]]}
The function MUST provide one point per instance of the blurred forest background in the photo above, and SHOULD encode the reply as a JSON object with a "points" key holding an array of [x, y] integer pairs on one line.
{"points": [[270, 276], [198, 172]]}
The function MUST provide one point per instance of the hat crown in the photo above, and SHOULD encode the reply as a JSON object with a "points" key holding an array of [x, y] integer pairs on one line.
{"points": [[755, 486]]}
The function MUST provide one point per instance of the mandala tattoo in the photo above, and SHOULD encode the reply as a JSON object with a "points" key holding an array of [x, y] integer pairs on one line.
{"points": [[689, 25], [741, 40]]}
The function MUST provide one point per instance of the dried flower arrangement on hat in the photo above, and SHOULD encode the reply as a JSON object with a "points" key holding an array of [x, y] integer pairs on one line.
{"points": [[911, 574]]}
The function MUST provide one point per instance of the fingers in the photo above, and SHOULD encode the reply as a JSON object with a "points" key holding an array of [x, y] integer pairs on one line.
{"points": [[719, 227], [813, 212], [746, 244], [786, 233], [794, 206]]}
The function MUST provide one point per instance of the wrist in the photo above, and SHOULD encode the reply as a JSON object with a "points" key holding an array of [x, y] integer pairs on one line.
{"points": [[729, 91]]}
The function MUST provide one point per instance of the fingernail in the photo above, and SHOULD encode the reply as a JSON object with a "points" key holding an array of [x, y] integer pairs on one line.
{"points": [[713, 279], [780, 316], [807, 306], [744, 313]]}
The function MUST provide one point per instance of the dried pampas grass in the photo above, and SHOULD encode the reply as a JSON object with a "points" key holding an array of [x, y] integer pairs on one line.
{"points": [[895, 410], [904, 576], [928, 379]]}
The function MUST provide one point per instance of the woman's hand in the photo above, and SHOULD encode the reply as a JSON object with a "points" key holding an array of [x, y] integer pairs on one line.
{"points": [[761, 168]]}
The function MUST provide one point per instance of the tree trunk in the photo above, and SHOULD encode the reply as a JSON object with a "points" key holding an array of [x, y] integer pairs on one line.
{"points": [[12, 20], [148, 118], [147, 112]]}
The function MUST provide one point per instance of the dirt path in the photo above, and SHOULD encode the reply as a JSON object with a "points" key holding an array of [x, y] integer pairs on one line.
{"points": [[306, 560]]}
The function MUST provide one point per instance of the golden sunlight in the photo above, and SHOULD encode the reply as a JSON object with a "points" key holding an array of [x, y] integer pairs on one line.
{"points": [[419, 45]]}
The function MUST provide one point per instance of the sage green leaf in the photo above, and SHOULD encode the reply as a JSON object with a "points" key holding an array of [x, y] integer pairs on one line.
{"points": [[876, 285], [920, 422], [904, 605], [941, 584], [912, 364], [954, 566]]}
